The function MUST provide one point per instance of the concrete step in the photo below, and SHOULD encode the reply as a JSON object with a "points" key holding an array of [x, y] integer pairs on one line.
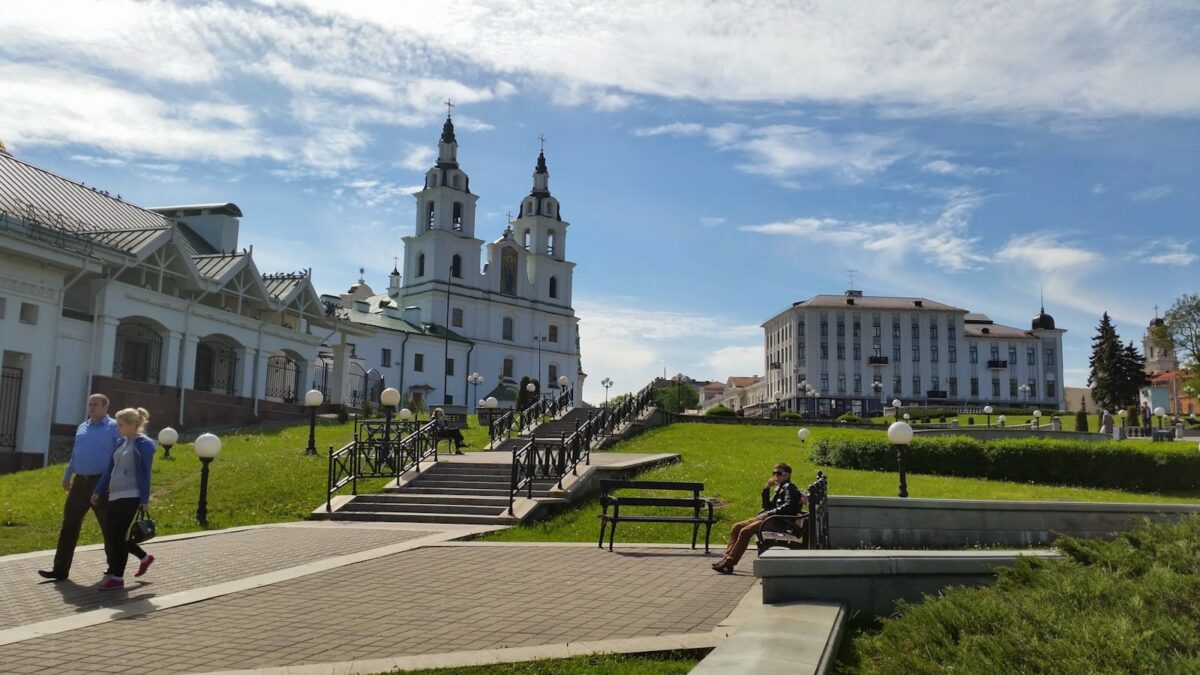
{"points": [[431, 481], [400, 493], [451, 476], [466, 493], [405, 507], [475, 469], [407, 517]]}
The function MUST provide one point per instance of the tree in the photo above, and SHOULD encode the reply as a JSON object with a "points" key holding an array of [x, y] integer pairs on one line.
{"points": [[676, 398], [1131, 375], [1104, 365], [1183, 327], [527, 398]]}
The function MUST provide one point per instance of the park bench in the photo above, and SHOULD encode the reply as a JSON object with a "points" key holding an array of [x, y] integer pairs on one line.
{"points": [[808, 530], [621, 505]]}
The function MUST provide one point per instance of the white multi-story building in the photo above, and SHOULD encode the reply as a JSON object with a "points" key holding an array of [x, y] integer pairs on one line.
{"points": [[508, 315], [836, 353]]}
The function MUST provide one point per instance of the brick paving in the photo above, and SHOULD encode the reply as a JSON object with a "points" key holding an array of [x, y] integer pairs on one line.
{"points": [[430, 600], [179, 565]]}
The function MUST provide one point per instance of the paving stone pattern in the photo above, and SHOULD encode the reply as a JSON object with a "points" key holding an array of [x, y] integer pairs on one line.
{"points": [[179, 565], [430, 600]]}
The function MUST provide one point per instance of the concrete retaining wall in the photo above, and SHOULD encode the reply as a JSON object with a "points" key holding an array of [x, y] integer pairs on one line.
{"points": [[872, 581], [891, 522]]}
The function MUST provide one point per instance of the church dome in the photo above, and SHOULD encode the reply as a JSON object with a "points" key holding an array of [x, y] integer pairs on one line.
{"points": [[1158, 321], [1043, 321]]}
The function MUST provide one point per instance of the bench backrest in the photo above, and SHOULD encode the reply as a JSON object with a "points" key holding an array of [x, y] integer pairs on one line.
{"points": [[608, 486]]}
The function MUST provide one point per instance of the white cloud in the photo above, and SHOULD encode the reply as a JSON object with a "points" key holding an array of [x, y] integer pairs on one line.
{"points": [[945, 167], [371, 193], [712, 221], [1099, 188], [417, 157], [1167, 252], [1047, 253], [674, 129], [1151, 194], [735, 361]]}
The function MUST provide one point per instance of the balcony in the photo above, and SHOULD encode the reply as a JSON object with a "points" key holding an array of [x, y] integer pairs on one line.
{"points": [[877, 360], [997, 364], [935, 394]]}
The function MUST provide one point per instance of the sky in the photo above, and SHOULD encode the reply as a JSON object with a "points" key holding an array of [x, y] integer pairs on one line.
{"points": [[716, 161]]}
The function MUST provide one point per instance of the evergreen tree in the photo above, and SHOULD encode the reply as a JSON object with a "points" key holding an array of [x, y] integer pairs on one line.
{"points": [[1105, 365], [527, 398], [1132, 374]]}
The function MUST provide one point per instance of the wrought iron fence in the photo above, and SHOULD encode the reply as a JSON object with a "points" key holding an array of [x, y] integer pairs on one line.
{"points": [[216, 368], [10, 405], [380, 449], [138, 353]]}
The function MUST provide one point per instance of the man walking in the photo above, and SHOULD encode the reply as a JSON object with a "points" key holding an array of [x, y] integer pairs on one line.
{"points": [[95, 440]]}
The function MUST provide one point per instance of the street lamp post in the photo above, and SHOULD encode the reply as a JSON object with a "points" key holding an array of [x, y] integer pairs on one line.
{"points": [[167, 438], [802, 434], [1160, 414], [606, 383], [562, 383], [877, 387], [900, 434], [539, 339], [778, 399], [1002, 420], [1037, 420], [389, 398], [475, 379], [815, 394], [207, 447], [896, 404], [987, 410], [313, 399]]}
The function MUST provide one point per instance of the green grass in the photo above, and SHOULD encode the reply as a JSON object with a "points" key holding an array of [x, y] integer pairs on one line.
{"points": [[261, 476], [734, 462], [1121, 606], [667, 663]]}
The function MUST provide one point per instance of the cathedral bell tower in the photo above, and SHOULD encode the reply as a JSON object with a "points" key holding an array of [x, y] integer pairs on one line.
{"points": [[541, 231]]}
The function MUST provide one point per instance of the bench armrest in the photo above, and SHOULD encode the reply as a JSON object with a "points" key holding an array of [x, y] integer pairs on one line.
{"points": [[789, 521]]}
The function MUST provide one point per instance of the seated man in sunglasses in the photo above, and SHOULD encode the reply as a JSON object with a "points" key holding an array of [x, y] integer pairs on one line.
{"points": [[787, 501]]}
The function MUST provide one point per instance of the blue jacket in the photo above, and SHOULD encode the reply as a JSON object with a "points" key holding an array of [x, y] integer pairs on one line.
{"points": [[143, 449]]}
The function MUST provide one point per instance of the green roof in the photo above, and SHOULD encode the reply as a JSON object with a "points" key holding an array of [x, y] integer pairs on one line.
{"points": [[378, 319]]}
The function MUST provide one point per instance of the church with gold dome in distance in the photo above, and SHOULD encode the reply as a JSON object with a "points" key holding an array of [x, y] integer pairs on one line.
{"points": [[462, 305]]}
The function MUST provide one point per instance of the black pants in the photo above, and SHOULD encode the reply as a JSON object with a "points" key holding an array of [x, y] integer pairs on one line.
{"points": [[79, 500], [117, 546], [453, 434]]}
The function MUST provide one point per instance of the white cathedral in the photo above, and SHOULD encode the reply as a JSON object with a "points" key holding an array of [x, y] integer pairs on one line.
{"points": [[454, 314]]}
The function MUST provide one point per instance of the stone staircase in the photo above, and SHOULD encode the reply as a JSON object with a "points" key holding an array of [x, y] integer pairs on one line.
{"points": [[458, 492]]}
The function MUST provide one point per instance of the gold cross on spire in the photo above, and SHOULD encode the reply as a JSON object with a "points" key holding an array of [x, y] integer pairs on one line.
{"points": [[541, 142], [449, 106]]}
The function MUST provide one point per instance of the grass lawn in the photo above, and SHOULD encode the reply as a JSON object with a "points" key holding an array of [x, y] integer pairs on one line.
{"points": [[734, 463], [667, 663], [261, 476]]}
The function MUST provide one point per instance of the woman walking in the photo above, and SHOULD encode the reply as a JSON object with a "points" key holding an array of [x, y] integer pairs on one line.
{"points": [[125, 484]]}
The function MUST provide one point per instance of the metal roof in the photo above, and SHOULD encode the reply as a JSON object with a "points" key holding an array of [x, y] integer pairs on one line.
{"points": [[996, 331], [379, 319], [281, 286], [874, 302], [216, 266], [225, 209]]}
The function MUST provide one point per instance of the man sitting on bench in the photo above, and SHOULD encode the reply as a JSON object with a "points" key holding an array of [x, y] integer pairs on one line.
{"points": [[442, 429], [786, 502]]}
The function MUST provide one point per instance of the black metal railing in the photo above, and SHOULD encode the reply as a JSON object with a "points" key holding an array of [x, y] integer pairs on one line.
{"points": [[380, 450]]}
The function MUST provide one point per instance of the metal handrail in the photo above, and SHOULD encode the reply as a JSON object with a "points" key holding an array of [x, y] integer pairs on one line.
{"points": [[376, 453]]}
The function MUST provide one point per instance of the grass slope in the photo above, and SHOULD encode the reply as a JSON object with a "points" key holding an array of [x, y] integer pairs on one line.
{"points": [[734, 462], [261, 476]]}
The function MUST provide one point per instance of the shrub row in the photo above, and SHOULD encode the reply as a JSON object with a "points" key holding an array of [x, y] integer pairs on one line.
{"points": [[1105, 464], [1122, 606]]}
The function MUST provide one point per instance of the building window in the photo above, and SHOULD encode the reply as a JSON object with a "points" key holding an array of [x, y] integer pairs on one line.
{"points": [[896, 385], [1050, 357], [876, 329], [953, 353], [429, 216], [975, 387], [552, 375], [824, 328], [456, 317], [857, 383], [824, 350], [896, 353], [29, 313], [995, 352], [1051, 392], [450, 366], [933, 353], [916, 354], [825, 384], [800, 328], [916, 331], [554, 287], [138, 353], [456, 266], [916, 390], [933, 329], [550, 242], [841, 351], [1012, 387], [420, 264], [841, 383], [508, 368], [457, 220], [419, 362], [876, 350], [1030, 356], [353, 349], [953, 381], [973, 353], [385, 360], [1012, 355], [525, 239], [896, 330], [801, 353], [3, 303], [1032, 384], [506, 330], [857, 328], [553, 333], [857, 352], [995, 387]]}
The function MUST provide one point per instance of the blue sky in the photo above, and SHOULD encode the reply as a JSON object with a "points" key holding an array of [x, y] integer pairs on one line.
{"points": [[716, 162]]}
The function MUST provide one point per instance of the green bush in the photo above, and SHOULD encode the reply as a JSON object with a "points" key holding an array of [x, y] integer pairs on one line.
{"points": [[343, 415], [367, 411], [1121, 606], [970, 421], [1053, 462], [790, 415], [849, 417], [1081, 421], [719, 411]]}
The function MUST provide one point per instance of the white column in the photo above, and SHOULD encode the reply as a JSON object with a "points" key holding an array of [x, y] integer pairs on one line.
{"points": [[170, 359], [251, 376], [106, 346], [187, 357], [341, 373]]}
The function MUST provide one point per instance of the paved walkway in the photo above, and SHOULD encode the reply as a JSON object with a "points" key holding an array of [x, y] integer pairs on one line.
{"points": [[329, 593]]}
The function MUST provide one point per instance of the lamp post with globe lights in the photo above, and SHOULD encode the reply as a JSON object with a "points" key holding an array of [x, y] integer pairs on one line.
{"points": [[987, 410], [900, 434], [1160, 414], [475, 379], [606, 383], [1001, 420], [207, 447], [896, 404], [1037, 420], [877, 387], [313, 399], [389, 398], [562, 383], [778, 400], [802, 434], [167, 438]]}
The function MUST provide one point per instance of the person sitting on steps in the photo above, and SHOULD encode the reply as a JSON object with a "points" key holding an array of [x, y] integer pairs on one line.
{"points": [[442, 429], [786, 502]]}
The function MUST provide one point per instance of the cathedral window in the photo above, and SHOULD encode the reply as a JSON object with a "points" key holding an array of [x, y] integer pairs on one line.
{"points": [[554, 287], [553, 337], [420, 264], [458, 214], [550, 241], [419, 362], [508, 272], [457, 181], [529, 208], [507, 329], [508, 368], [456, 266], [552, 375], [429, 215], [456, 317], [525, 239]]}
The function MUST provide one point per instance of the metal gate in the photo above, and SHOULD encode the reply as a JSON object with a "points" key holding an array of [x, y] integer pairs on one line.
{"points": [[138, 354], [281, 378], [216, 368], [10, 406], [321, 376], [356, 391]]}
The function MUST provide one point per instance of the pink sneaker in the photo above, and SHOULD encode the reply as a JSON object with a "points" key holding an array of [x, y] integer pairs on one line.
{"points": [[111, 584], [146, 562]]}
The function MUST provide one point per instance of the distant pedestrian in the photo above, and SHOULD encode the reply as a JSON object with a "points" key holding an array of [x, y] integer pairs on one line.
{"points": [[95, 439], [125, 485], [1146, 418], [442, 429], [1106, 422]]}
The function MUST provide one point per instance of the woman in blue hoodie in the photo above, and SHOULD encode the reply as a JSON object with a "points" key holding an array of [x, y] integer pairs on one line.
{"points": [[125, 483]]}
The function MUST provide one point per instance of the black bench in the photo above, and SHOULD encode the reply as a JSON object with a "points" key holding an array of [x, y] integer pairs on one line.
{"points": [[695, 503], [806, 531]]}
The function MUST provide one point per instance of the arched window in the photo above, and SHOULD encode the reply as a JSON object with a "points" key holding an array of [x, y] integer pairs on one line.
{"points": [[508, 271], [553, 336], [552, 375], [508, 368], [138, 353], [457, 220], [551, 240], [420, 264], [525, 239], [506, 331], [529, 208], [554, 287], [429, 215], [456, 317], [456, 266]]}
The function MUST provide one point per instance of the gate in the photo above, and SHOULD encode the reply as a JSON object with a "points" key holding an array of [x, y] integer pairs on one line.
{"points": [[138, 354], [281, 379], [216, 367], [356, 391], [321, 376], [10, 406]]}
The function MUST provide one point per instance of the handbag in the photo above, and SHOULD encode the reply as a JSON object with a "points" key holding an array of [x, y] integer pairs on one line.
{"points": [[143, 528]]}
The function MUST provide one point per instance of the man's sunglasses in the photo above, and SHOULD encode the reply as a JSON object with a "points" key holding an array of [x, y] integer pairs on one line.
{"points": [[777, 473]]}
